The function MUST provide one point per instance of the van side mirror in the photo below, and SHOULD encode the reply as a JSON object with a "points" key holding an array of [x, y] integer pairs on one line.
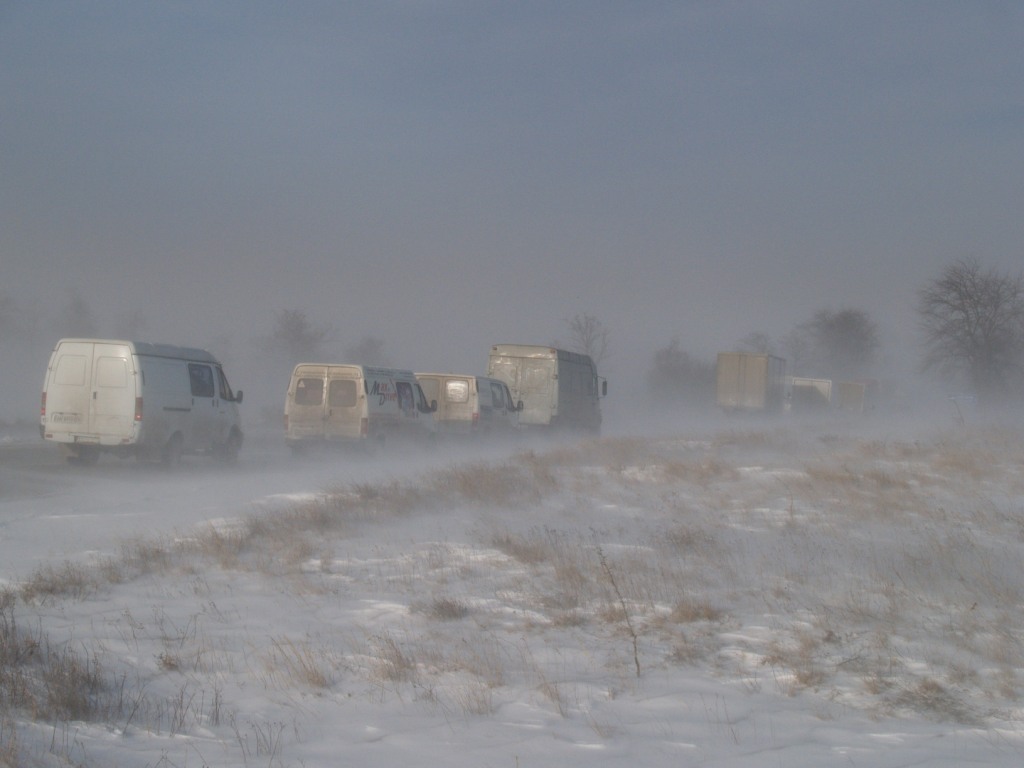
{"points": [[519, 405], [604, 388], [238, 397], [433, 406]]}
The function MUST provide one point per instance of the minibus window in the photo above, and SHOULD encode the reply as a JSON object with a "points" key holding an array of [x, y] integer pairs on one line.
{"points": [[201, 378]]}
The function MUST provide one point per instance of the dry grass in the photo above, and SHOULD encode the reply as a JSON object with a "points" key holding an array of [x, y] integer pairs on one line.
{"points": [[690, 611], [444, 609], [392, 662], [289, 664], [66, 581], [498, 485]]}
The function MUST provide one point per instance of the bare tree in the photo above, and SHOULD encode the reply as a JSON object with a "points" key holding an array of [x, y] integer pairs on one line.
{"points": [[797, 348], [295, 337], [131, 325], [839, 344], [368, 351], [588, 335], [677, 375], [77, 318], [756, 342], [973, 324]]}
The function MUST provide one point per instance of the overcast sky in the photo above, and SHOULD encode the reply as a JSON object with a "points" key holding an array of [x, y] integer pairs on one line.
{"points": [[448, 175]]}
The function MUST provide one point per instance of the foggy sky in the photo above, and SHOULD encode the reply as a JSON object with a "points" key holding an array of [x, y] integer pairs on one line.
{"points": [[449, 175]]}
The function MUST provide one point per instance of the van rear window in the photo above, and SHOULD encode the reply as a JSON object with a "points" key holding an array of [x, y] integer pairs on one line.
{"points": [[111, 372], [70, 370], [342, 393], [309, 392], [456, 391]]}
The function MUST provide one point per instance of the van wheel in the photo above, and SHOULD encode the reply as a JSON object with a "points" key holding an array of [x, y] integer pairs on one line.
{"points": [[170, 456], [228, 452]]}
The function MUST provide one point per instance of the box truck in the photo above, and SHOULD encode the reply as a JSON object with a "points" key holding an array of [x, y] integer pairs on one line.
{"points": [[560, 390], [134, 398], [750, 382], [341, 404], [471, 405]]}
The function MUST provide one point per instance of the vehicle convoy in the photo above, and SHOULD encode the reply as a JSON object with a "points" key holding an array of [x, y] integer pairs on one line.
{"points": [[471, 405], [560, 390], [353, 404], [750, 382], [132, 398]]}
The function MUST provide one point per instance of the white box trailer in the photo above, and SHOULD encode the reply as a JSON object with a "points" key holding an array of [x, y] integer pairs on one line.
{"points": [[807, 394], [354, 404], [856, 396], [138, 399], [559, 389], [749, 382], [471, 405]]}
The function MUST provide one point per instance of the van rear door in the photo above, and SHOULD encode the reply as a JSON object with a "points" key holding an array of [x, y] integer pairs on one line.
{"points": [[68, 391], [305, 407], [344, 403], [91, 393], [113, 393]]}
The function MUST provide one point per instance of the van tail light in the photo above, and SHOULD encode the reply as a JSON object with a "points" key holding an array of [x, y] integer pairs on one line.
{"points": [[42, 407], [138, 409], [476, 418], [286, 422], [364, 427]]}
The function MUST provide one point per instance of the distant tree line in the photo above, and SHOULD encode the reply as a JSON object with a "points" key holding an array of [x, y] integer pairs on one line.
{"points": [[296, 339], [972, 336]]}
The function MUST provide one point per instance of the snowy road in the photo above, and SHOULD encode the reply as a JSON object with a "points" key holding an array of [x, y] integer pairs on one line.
{"points": [[51, 511]]}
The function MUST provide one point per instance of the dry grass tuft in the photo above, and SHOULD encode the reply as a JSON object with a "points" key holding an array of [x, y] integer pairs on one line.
{"points": [[702, 472], [72, 686], [68, 580], [929, 697], [497, 485], [290, 663], [393, 663], [690, 611], [529, 550], [446, 609]]}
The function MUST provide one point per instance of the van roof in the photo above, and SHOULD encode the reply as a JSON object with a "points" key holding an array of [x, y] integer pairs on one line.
{"points": [[367, 370], [153, 349]]}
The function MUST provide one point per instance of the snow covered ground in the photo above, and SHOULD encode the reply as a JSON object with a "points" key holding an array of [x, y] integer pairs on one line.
{"points": [[751, 595]]}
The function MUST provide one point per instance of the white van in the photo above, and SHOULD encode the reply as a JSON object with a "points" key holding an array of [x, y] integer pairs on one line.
{"points": [[471, 405], [335, 403], [137, 399], [560, 390]]}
